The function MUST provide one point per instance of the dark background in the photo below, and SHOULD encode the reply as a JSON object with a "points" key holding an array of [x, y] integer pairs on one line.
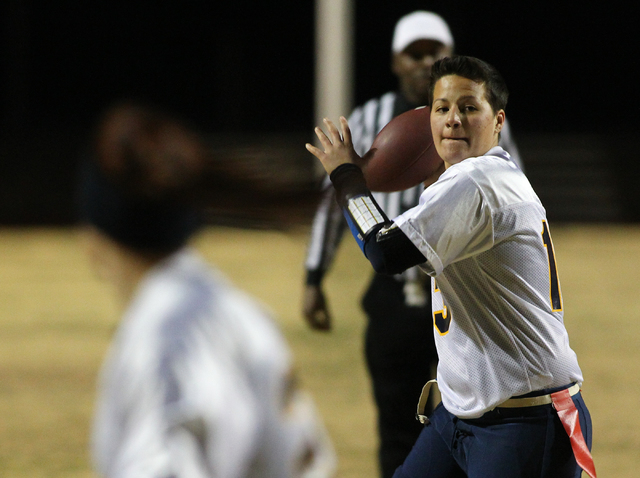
{"points": [[244, 70]]}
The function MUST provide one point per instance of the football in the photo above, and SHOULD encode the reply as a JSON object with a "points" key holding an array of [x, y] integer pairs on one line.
{"points": [[403, 154]]}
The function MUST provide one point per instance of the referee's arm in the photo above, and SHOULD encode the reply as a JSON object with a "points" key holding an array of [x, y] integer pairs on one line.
{"points": [[326, 233]]}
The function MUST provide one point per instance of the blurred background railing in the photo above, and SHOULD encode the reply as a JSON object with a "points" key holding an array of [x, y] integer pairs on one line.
{"points": [[579, 178]]}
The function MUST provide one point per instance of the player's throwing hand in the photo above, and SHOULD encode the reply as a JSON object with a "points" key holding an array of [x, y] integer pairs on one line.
{"points": [[338, 149]]}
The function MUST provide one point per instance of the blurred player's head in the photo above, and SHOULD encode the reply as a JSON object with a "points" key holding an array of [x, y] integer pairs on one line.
{"points": [[419, 40], [134, 188], [468, 97], [150, 181]]}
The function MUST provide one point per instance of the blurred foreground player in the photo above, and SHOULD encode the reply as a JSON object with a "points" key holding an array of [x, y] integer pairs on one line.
{"points": [[399, 347], [198, 380], [510, 383]]}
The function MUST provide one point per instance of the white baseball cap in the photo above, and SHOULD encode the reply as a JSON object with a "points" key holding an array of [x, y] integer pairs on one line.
{"points": [[420, 25]]}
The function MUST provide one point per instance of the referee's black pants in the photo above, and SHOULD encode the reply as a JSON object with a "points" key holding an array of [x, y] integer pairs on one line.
{"points": [[400, 351]]}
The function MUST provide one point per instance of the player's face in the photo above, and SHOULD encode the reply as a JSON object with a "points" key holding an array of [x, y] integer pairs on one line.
{"points": [[413, 65], [463, 123]]}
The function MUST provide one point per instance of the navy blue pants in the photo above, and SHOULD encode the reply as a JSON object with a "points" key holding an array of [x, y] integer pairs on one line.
{"points": [[504, 443]]}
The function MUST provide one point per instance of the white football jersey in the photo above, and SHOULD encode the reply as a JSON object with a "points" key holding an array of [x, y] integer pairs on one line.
{"points": [[497, 305], [197, 384]]}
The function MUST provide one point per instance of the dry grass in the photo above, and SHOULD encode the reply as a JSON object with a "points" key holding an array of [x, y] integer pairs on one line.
{"points": [[56, 321]]}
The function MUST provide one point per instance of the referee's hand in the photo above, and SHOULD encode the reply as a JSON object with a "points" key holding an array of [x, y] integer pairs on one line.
{"points": [[315, 310]]}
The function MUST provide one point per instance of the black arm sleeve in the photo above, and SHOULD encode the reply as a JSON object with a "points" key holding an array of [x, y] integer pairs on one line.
{"points": [[388, 249], [391, 251], [349, 182]]}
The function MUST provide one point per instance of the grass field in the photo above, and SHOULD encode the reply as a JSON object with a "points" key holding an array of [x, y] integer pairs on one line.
{"points": [[56, 321]]}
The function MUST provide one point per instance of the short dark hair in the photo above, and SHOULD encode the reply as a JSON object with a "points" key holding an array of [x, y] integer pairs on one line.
{"points": [[476, 70]]}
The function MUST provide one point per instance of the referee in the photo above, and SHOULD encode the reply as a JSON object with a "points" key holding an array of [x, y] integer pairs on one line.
{"points": [[398, 307]]}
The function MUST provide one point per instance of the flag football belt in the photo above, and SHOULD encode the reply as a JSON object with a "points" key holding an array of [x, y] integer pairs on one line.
{"points": [[536, 401], [564, 406]]}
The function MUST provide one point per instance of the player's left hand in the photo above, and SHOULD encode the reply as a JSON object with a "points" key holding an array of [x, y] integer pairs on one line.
{"points": [[338, 149]]}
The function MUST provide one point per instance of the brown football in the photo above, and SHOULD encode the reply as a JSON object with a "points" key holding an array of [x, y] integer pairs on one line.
{"points": [[402, 154]]}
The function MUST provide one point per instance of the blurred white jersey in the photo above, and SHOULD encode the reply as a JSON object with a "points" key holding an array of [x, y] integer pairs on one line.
{"points": [[198, 384], [497, 306]]}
